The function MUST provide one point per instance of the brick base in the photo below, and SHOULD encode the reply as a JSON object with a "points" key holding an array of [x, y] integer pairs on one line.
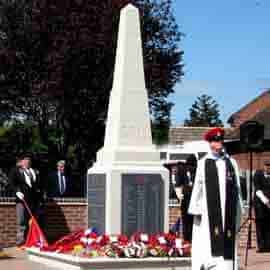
{"points": [[60, 219], [63, 217], [7, 224]]}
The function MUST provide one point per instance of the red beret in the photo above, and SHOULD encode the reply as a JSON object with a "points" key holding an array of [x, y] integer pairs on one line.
{"points": [[214, 134]]}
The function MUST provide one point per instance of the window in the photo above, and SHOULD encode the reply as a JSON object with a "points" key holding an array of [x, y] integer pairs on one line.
{"points": [[179, 156], [163, 155]]}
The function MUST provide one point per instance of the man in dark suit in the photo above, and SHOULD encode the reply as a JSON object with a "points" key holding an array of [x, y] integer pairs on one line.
{"points": [[25, 182], [184, 187], [262, 207], [58, 183]]}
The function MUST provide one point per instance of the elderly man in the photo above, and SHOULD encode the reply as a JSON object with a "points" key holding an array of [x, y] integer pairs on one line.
{"points": [[58, 182], [25, 182], [262, 207], [216, 206]]}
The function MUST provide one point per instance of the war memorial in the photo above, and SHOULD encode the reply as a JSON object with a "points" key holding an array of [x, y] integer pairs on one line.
{"points": [[127, 188]]}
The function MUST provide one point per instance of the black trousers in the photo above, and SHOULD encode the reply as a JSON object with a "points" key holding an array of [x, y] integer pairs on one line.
{"points": [[263, 234], [22, 218], [187, 219]]}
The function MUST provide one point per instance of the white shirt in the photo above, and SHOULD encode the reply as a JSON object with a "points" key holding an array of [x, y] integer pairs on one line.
{"points": [[28, 172], [59, 182]]}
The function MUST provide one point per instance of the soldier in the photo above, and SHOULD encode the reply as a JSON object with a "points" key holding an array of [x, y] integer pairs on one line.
{"points": [[262, 207], [25, 182]]}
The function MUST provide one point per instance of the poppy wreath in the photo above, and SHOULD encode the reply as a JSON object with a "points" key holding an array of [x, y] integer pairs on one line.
{"points": [[90, 243]]}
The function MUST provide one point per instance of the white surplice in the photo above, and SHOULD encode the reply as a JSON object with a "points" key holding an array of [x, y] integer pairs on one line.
{"points": [[201, 243]]}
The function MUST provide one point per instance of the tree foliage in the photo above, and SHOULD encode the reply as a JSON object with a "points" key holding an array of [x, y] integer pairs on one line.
{"points": [[58, 60], [204, 113]]}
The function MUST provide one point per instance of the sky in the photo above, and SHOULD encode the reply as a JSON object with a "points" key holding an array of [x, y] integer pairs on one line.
{"points": [[226, 53]]}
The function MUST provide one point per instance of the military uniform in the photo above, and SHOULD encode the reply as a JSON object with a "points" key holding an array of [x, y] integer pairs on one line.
{"points": [[262, 210], [25, 181]]}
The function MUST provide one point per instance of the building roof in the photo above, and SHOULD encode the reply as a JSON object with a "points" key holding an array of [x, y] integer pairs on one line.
{"points": [[265, 93], [181, 134], [262, 117]]}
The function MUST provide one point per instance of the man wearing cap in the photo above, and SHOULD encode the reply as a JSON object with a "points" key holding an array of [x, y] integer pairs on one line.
{"points": [[58, 182], [262, 207], [216, 205], [24, 180]]}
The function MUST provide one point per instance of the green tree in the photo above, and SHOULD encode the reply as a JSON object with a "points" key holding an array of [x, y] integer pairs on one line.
{"points": [[204, 113], [58, 61]]}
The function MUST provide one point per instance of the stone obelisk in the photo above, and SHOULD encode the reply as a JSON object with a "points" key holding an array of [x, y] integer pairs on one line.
{"points": [[128, 186]]}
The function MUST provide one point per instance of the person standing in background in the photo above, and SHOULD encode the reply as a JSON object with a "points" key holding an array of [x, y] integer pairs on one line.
{"points": [[183, 189], [3, 182], [262, 207], [58, 183], [25, 182], [173, 180]]}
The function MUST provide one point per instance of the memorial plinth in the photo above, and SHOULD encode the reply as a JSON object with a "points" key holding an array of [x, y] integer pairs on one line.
{"points": [[63, 261], [128, 187]]}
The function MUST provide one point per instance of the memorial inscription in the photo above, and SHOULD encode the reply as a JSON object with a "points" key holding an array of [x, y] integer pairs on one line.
{"points": [[142, 200], [96, 197]]}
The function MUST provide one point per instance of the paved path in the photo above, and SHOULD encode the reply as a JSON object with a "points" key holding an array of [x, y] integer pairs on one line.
{"points": [[255, 261], [19, 261]]}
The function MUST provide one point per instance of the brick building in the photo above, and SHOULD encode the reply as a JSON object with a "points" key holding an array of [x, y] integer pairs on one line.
{"points": [[250, 110], [184, 141], [257, 110]]}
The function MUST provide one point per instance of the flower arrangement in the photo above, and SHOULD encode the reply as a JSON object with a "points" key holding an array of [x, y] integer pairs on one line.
{"points": [[91, 244]]}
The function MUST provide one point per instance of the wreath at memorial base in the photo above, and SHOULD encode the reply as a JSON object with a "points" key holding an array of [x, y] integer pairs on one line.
{"points": [[90, 244]]}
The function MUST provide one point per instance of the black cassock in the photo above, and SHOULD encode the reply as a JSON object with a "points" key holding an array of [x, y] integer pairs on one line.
{"points": [[262, 212], [216, 204]]}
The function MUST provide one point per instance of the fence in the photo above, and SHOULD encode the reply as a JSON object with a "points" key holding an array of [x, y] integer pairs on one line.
{"points": [[5, 190]]}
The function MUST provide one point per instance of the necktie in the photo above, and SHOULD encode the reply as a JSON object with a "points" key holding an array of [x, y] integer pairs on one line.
{"points": [[29, 180], [62, 186]]}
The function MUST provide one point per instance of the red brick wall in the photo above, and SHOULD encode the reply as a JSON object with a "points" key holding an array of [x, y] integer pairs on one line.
{"points": [[174, 214], [258, 159], [244, 232], [252, 109], [7, 223], [63, 217]]}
